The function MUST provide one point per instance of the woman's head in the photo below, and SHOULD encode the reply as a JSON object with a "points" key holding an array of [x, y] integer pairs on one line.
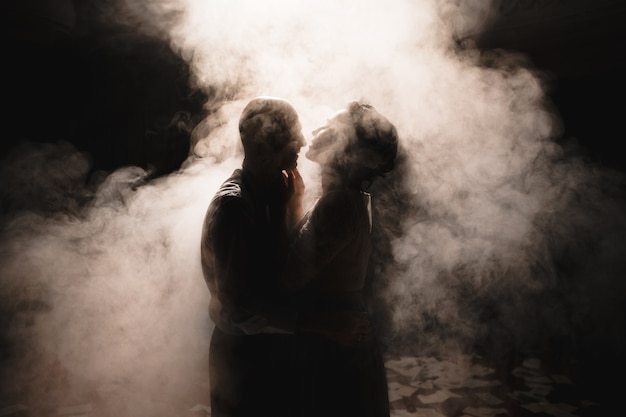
{"points": [[358, 143]]}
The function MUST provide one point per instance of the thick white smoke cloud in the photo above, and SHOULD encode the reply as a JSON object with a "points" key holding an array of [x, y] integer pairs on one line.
{"points": [[110, 301], [114, 300]]}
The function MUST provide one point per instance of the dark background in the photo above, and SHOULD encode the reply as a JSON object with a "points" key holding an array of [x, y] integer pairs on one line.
{"points": [[71, 73], [580, 46]]}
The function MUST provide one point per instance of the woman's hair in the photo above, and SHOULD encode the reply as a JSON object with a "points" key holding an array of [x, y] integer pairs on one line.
{"points": [[373, 151]]}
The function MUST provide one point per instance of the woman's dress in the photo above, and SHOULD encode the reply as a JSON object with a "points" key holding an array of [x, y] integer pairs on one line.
{"points": [[328, 265]]}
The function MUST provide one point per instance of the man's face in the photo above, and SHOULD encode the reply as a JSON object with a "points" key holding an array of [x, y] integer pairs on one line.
{"points": [[274, 139], [291, 151], [286, 157]]}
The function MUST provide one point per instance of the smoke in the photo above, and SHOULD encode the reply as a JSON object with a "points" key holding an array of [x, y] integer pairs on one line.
{"points": [[492, 231], [108, 299]]}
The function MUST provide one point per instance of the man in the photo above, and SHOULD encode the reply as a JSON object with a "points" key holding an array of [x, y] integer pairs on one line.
{"points": [[252, 358], [243, 246]]}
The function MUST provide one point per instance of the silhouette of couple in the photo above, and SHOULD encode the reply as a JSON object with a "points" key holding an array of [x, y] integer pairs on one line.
{"points": [[292, 335]]}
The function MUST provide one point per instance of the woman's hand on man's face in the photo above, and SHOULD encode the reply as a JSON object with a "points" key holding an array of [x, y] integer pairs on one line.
{"points": [[294, 186]]}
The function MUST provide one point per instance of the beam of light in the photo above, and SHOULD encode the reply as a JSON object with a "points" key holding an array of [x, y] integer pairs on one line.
{"points": [[483, 202]]}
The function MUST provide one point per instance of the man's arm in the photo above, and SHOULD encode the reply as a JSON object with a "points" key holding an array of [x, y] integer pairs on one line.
{"points": [[238, 308]]}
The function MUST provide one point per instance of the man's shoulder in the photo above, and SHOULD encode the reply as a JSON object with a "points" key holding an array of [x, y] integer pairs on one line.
{"points": [[232, 195], [231, 188]]}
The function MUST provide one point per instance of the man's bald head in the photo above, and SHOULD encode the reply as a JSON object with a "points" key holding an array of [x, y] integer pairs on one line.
{"points": [[271, 135], [269, 121]]}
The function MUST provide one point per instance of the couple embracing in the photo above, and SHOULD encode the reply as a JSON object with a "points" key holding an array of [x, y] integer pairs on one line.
{"points": [[292, 333]]}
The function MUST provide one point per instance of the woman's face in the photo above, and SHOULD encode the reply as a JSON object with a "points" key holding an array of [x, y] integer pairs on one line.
{"points": [[331, 138]]}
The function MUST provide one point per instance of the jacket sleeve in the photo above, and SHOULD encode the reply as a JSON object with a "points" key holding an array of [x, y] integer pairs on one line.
{"points": [[236, 307]]}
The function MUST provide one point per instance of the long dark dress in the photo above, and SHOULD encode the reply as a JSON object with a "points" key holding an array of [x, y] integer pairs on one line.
{"points": [[328, 264]]}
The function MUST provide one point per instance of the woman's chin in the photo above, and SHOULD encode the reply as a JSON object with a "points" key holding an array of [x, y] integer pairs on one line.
{"points": [[310, 155], [315, 155]]}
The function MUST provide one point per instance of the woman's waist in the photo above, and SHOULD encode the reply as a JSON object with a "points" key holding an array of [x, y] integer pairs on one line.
{"points": [[329, 300]]}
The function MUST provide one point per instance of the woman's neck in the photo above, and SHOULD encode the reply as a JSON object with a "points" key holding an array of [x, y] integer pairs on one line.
{"points": [[333, 180]]}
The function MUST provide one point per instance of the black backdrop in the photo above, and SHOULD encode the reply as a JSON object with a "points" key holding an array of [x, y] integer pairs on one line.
{"points": [[126, 99]]}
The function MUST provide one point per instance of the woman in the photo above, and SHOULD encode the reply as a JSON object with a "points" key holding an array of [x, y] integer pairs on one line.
{"points": [[327, 265]]}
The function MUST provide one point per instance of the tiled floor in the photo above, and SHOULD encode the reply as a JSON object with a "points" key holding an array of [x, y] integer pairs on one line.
{"points": [[419, 386], [466, 386]]}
